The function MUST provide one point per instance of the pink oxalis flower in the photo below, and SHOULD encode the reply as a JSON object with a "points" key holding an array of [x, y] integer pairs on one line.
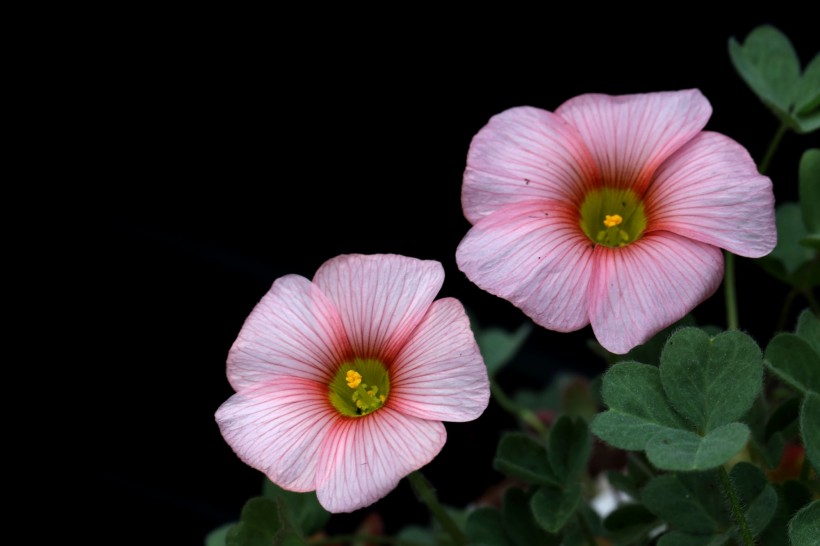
{"points": [[611, 211], [342, 383]]}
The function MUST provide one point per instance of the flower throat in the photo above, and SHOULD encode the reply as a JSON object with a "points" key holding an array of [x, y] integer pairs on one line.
{"points": [[359, 387], [612, 217]]}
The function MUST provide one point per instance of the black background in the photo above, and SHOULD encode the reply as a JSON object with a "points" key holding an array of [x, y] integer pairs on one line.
{"points": [[233, 150]]}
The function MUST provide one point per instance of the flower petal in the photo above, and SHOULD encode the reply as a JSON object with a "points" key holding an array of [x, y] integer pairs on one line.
{"points": [[644, 287], [710, 191], [534, 255], [440, 374], [293, 331], [381, 298], [631, 135], [522, 154], [278, 428], [363, 459]]}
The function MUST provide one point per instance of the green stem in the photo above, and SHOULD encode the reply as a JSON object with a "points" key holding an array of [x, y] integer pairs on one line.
{"points": [[809, 478], [375, 539], [522, 413], [737, 511], [815, 307], [731, 295], [784, 312], [640, 465], [426, 494], [805, 470], [586, 531], [767, 159]]}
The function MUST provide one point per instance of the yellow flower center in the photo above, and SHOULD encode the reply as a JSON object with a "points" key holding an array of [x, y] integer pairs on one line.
{"points": [[612, 217], [359, 387]]}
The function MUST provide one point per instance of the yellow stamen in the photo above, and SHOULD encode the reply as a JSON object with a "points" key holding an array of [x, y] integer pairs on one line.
{"points": [[353, 378], [612, 220]]}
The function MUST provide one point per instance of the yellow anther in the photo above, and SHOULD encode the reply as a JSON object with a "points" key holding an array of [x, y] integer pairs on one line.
{"points": [[612, 220], [353, 378]]}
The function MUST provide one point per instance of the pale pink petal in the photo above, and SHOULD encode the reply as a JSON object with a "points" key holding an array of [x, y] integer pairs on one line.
{"points": [[534, 255], [381, 298], [641, 288], [294, 331], [522, 154], [363, 459], [631, 135], [278, 428], [710, 190], [440, 374]]}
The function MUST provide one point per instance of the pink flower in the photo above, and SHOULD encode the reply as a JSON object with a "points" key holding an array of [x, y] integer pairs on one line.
{"points": [[342, 383], [610, 211]]}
